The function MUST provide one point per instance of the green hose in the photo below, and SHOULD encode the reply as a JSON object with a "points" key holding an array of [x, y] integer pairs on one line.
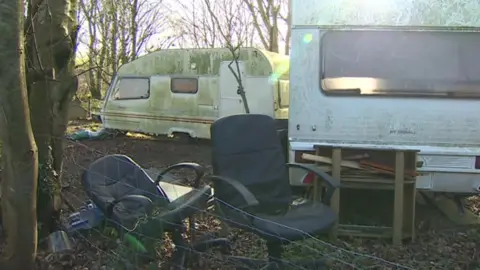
{"points": [[135, 243]]}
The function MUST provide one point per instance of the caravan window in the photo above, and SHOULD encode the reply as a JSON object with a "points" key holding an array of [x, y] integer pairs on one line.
{"points": [[283, 90], [383, 62], [132, 88], [184, 85]]}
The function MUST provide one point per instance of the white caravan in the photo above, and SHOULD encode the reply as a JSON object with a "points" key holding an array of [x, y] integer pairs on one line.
{"points": [[391, 73], [185, 90]]}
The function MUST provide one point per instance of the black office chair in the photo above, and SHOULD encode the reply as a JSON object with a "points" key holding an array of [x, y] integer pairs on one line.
{"points": [[142, 210], [253, 193]]}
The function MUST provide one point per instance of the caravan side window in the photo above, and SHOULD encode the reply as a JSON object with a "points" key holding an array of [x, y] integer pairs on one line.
{"points": [[401, 63], [184, 85], [283, 89], [132, 88]]}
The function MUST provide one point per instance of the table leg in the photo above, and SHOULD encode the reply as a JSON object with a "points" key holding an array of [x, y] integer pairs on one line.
{"points": [[335, 203], [399, 196]]}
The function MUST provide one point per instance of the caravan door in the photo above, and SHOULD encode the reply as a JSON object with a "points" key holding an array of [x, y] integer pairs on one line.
{"points": [[230, 101]]}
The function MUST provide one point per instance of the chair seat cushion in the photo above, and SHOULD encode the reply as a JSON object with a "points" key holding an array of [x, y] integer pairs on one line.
{"points": [[186, 205], [300, 222], [185, 202], [127, 213]]}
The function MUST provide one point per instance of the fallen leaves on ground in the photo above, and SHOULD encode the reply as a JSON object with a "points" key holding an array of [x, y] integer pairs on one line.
{"points": [[435, 247]]}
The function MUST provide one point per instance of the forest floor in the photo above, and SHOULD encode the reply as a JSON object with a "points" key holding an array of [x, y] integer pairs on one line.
{"points": [[438, 245]]}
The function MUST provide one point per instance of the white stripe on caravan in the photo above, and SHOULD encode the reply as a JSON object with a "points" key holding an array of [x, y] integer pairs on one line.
{"points": [[430, 150]]}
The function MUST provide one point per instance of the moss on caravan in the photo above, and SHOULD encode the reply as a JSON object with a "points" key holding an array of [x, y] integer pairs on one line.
{"points": [[185, 90]]}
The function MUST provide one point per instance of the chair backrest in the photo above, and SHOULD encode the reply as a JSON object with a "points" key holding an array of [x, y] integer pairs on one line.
{"points": [[114, 176], [247, 148]]}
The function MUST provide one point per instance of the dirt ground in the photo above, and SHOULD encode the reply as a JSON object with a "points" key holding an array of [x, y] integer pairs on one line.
{"points": [[436, 247]]}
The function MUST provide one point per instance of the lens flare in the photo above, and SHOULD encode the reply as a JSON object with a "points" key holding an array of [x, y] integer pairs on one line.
{"points": [[278, 72], [307, 38]]}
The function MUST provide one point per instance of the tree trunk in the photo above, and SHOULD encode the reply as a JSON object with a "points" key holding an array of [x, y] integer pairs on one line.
{"points": [[288, 36], [19, 157], [104, 25], [113, 35], [134, 28], [95, 89], [42, 124], [52, 47]]}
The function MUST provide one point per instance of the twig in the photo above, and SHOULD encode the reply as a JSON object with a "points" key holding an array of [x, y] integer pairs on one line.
{"points": [[233, 50], [85, 71], [238, 77]]}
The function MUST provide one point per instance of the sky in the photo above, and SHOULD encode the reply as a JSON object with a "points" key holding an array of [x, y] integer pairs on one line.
{"points": [[157, 38]]}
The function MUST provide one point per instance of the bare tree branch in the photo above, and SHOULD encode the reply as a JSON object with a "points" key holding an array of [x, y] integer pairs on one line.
{"points": [[118, 32]]}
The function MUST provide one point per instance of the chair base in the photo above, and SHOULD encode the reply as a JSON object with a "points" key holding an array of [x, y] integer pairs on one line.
{"points": [[185, 252], [245, 263]]}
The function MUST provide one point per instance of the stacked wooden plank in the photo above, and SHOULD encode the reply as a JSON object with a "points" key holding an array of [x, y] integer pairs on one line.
{"points": [[360, 171]]}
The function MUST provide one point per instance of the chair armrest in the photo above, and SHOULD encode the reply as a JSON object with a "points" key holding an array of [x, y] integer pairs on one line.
{"points": [[248, 196], [197, 168], [331, 182], [131, 197]]}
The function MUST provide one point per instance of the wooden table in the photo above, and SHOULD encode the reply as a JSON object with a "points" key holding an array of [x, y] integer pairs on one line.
{"points": [[398, 168]]}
